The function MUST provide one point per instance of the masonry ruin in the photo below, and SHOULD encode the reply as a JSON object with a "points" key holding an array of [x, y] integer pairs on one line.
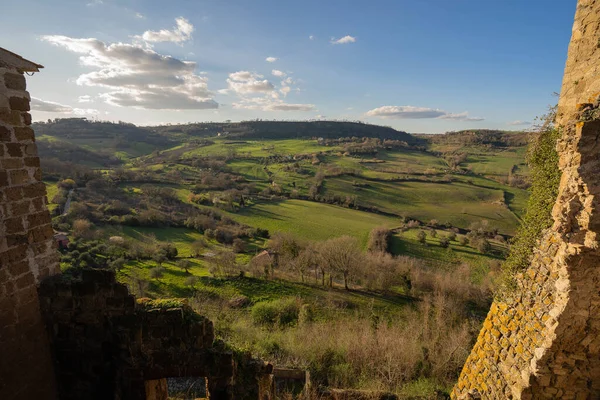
{"points": [[544, 341]]}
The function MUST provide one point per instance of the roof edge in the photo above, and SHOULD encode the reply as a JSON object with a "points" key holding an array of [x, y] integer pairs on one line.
{"points": [[13, 60]]}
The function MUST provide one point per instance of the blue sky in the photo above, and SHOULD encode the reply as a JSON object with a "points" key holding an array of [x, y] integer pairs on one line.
{"points": [[417, 65]]}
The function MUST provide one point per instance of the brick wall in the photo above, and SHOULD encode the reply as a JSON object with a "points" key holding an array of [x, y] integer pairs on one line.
{"points": [[544, 341], [27, 254]]}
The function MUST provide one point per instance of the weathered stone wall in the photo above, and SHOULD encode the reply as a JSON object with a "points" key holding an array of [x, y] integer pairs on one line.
{"points": [[27, 254], [107, 346], [544, 342]]}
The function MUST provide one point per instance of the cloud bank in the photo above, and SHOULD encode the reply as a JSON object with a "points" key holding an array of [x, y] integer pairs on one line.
{"points": [[412, 112]]}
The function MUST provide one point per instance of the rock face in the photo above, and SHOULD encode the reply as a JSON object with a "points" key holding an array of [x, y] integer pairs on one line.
{"points": [[544, 342]]}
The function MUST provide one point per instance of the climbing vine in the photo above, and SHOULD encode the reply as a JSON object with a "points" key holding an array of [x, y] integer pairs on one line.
{"points": [[542, 159]]}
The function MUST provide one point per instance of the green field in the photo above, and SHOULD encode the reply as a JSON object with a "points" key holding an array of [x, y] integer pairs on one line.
{"points": [[314, 221]]}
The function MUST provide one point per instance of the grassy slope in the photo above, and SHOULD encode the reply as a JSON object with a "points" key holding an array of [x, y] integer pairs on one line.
{"points": [[311, 220]]}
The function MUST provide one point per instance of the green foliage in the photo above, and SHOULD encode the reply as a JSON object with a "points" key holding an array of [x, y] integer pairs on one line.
{"points": [[545, 174], [282, 312]]}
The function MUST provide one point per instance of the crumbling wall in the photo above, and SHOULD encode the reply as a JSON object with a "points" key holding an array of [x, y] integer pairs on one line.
{"points": [[107, 346], [27, 254], [544, 341]]}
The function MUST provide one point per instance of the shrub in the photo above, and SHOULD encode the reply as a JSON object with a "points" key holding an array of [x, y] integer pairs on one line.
{"points": [[282, 312], [156, 273], [239, 246], [421, 236], [444, 242], [379, 240]]}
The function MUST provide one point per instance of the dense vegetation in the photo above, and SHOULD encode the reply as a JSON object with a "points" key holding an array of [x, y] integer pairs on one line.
{"points": [[542, 158], [382, 248]]}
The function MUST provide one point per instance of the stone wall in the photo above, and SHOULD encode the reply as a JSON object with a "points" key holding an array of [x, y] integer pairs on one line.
{"points": [[27, 254], [108, 346], [544, 342]]}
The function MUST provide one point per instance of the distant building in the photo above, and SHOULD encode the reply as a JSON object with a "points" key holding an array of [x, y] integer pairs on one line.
{"points": [[61, 239], [265, 257]]}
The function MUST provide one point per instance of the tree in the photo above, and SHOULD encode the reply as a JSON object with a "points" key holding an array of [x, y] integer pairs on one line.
{"points": [[421, 236], [433, 233], [444, 242], [170, 251], [306, 260], [197, 246], [341, 255], [159, 257], [452, 236], [484, 246], [239, 246], [192, 281], [185, 265], [156, 273], [224, 264], [379, 240], [82, 228], [463, 240]]}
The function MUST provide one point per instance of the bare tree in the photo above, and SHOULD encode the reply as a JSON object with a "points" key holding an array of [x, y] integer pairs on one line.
{"points": [[341, 256]]}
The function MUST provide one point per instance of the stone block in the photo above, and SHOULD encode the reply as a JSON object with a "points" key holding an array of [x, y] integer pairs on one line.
{"points": [[5, 134], [14, 149], [36, 189], [14, 81], [19, 176], [14, 225], [24, 134], [19, 103], [12, 163], [32, 162], [38, 219]]}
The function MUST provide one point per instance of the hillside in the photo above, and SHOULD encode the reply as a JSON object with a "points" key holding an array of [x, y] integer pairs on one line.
{"points": [[184, 210]]}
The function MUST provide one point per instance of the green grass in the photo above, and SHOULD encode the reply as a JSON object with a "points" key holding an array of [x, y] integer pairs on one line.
{"points": [[180, 237], [406, 244], [457, 203], [310, 220], [51, 191], [260, 148]]}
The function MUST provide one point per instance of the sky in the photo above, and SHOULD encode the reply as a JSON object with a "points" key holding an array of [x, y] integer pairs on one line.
{"points": [[421, 66]]}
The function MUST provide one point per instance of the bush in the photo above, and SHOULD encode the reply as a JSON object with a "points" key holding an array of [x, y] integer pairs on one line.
{"points": [[379, 240], [156, 273], [239, 246], [421, 236], [444, 242], [282, 312]]}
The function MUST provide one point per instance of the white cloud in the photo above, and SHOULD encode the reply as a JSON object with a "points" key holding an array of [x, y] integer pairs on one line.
{"points": [[271, 59], [519, 122], [139, 15], [411, 112], [271, 104], [137, 76], [53, 107], [245, 82], [285, 90], [85, 99], [180, 33], [256, 93], [311, 37], [95, 3], [344, 40], [405, 112], [464, 116]]}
